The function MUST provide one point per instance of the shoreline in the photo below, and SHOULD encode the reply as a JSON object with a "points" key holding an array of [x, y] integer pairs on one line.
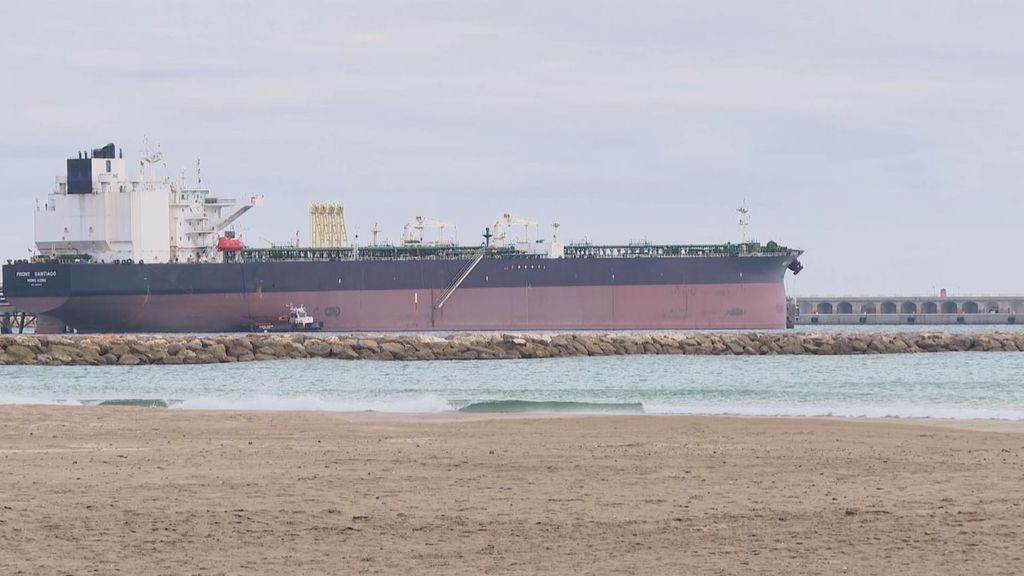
{"points": [[168, 491], [1002, 425], [482, 410], [132, 350]]}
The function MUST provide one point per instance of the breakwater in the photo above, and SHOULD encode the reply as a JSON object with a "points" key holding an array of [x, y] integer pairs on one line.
{"points": [[194, 349]]}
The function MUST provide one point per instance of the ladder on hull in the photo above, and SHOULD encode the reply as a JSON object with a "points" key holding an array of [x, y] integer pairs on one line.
{"points": [[458, 281]]}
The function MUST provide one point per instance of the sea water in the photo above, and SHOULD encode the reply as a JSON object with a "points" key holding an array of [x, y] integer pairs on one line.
{"points": [[933, 385]]}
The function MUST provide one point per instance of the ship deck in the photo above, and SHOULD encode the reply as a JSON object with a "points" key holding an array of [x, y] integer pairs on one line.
{"points": [[452, 252]]}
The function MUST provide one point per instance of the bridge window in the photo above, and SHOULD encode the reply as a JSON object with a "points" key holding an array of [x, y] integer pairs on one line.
{"points": [[929, 308], [844, 308], [824, 308], [971, 308]]}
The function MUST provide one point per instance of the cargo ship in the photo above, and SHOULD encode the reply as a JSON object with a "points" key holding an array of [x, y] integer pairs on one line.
{"points": [[143, 254]]}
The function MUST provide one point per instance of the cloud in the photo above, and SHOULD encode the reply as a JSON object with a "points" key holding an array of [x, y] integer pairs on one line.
{"points": [[885, 139]]}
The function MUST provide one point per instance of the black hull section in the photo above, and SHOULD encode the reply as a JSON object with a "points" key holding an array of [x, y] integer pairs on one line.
{"points": [[56, 279]]}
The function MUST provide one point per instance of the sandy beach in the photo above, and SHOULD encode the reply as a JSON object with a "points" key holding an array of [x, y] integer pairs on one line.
{"points": [[155, 491]]}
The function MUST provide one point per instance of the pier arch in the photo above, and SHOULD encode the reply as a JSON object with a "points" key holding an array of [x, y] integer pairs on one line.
{"points": [[971, 308], [929, 308], [888, 307], [908, 308], [869, 308], [824, 308], [949, 308], [992, 307], [844, 308]]}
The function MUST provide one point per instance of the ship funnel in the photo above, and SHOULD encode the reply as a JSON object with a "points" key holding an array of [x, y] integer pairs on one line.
{"points": [[107, 152]]}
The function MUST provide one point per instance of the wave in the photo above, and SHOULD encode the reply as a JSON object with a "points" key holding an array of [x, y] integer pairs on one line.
{"points": [[433, 404], [138, 402], [520, 406], [31, 400], [316, 404], [869, 411]]}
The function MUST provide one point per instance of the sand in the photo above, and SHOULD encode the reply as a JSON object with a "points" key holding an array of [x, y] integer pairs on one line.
{"points": [[154, 491]]}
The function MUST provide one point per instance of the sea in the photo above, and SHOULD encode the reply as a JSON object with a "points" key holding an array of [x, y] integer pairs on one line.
{"points": [[949, 385]]}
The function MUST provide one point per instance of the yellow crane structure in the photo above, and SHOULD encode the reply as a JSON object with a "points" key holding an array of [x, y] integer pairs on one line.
{"points": [[327, 225]]}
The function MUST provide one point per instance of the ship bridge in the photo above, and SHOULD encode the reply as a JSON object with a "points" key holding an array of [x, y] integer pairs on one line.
{"points": [[100, 213]]}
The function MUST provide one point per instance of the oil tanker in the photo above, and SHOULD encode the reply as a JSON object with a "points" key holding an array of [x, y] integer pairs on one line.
{"points": [[144, 254]]}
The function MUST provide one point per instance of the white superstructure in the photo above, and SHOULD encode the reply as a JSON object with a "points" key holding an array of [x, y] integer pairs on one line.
{"points": [[100, 212]]}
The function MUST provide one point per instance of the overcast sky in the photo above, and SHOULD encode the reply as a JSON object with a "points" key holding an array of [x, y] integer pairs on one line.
{"points": [[884, 138]]}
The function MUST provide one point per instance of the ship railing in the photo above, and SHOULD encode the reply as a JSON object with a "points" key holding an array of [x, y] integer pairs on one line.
{"points": [[469, 253], [671, 250]]}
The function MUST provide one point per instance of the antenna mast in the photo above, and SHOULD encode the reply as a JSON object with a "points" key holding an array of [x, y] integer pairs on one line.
{"points": [[744, 220], [149, 158]]}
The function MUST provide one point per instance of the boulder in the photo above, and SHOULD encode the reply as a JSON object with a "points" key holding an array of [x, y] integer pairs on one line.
{"points": [[218, 351], [317, 348], [119, 350], [343, 352], [396, 349], [368, 344], [20, 354], [128, 359]]}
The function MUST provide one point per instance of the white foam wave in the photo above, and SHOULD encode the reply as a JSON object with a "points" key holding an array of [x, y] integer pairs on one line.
{"points": [[426, 404], [879, 411], [313, 403], [29, 400]]}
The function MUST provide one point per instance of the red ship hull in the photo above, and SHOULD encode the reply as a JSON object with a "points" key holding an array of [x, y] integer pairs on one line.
{"points": [[651, 307]]}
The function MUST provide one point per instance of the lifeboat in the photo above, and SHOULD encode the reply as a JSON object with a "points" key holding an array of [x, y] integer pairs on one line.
{"points": [[226, 244]]}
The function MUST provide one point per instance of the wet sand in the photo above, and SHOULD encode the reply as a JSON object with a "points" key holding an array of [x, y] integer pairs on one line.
{"points": [[155, 491]]}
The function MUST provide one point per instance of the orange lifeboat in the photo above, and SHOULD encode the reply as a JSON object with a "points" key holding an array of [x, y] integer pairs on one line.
{"points": [[225, 244]]}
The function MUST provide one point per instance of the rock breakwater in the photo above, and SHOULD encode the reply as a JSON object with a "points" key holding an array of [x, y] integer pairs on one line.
{"points": [[187, 349]]}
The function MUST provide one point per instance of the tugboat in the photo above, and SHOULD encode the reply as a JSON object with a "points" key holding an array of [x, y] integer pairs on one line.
{"points": [[297, 320]]}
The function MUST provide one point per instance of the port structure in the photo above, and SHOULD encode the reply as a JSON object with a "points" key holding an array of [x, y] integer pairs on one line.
{"points": [[13, 321], [942, 309], [327, 225]]}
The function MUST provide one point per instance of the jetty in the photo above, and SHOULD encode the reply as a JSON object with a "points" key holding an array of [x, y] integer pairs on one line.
{"points": [[937, 310], [13, 321], [133, 350]]}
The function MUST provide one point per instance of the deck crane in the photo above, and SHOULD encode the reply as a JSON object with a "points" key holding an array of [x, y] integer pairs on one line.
{"points": [[412, 235], [507, 221], [254, 202]]}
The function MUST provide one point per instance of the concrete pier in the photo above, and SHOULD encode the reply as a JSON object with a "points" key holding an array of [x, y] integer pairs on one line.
{"points": [[134, 350], [970, 310]]}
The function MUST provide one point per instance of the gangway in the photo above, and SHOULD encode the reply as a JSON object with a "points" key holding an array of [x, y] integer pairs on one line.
{"points": [[458, 282]]}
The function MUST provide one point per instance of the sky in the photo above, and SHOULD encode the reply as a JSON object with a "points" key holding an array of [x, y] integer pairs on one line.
{"points": [[884, 138]]}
